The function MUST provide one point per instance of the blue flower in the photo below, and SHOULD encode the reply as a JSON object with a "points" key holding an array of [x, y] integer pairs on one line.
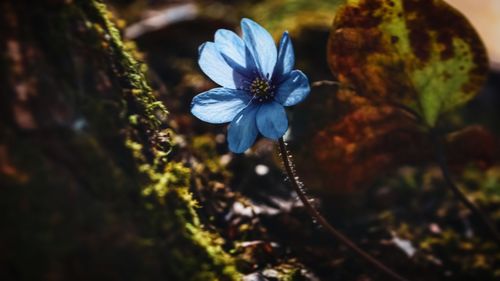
{"points": [[257, 82]]}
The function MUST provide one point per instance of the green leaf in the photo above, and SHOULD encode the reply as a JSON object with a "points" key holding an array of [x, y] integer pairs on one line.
{"points": [[293, 15], [422, 54]]}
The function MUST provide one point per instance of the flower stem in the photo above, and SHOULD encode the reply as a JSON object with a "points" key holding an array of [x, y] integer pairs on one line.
{"points": [[287, 162], [443, 165]]}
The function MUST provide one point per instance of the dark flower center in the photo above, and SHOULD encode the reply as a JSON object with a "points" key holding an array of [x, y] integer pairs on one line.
{"points": [[261, 89]]}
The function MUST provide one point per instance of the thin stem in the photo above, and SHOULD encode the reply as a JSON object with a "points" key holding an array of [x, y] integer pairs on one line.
{"points": [[443, 165], [287, 162], [408, 110]]}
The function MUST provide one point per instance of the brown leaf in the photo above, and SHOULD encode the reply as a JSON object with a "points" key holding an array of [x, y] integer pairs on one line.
{"points": [[423, 54], [364, 144], [372, 140]]}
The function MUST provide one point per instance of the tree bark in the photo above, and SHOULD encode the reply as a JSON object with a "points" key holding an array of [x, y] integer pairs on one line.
{"points": [[87, 190]]}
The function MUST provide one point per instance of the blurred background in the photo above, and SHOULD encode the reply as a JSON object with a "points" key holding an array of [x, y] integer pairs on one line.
{"points": [[371, 178], [371, 173]]}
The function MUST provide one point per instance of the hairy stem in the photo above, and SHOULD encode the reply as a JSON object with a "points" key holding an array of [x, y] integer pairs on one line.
{"points": [[287, 162], [443, 165]]}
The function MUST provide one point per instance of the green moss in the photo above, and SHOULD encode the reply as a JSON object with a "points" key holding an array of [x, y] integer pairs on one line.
{"points": [[129, 68], [99, 200], [170, 180]]}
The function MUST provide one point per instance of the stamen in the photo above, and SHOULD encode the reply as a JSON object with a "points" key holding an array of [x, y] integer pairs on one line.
{"points": [[261, 89]]}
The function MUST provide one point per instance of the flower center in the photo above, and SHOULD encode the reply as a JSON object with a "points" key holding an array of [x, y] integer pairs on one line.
{"points": [[261, 89]]}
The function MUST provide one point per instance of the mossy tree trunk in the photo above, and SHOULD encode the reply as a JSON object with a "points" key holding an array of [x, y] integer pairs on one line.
{"points": [[87, 191]]}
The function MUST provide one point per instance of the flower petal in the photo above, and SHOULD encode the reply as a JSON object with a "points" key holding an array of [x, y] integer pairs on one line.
{"points": [[261, 45], [230, 46], [271, 120], [234, 51], [243, 130], [219, 105], [293, 89], [214, 66], [286, 58]]}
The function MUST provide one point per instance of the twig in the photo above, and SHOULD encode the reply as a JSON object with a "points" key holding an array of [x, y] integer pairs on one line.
{"points": [[287, 162], [443, 165], [325, 83]]}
